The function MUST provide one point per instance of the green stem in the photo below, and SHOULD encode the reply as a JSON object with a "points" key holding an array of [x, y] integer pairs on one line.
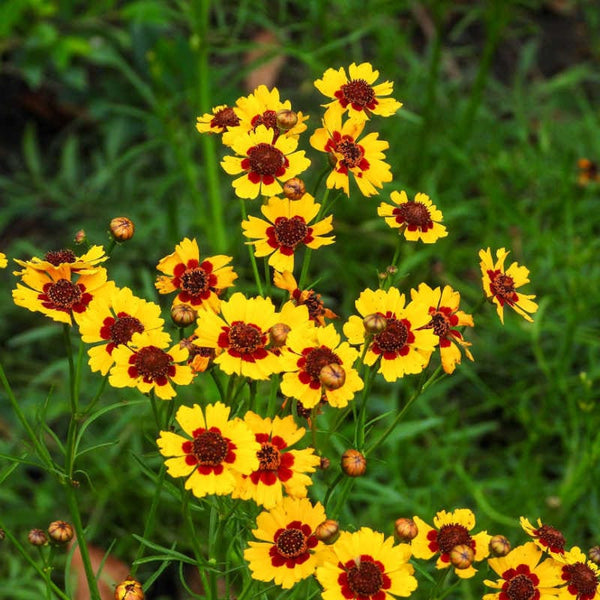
{"points": [[219, 384], [72, 378], [194, 540], [359, 431], [252, 257]]}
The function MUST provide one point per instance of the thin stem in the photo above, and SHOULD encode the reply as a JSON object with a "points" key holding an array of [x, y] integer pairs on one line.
{"points": [[219, 384], [252, 257], [72, 378]]}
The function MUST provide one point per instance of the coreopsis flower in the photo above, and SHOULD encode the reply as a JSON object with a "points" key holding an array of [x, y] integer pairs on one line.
{"points": [[363, 159], [365, 565], [286, 229], [3, 260], [450, 530], [60, 293], [147, 365], [546, 537], [214, 451], [356, 94], [588, 172], [197, 283], [112, 319], [319, 366], [279, 467], [56, 258], [263, 162], [199, 357], [401, 344], [417, 219], [443, 310], [317, 311], [219, 120], [240, 336], [523, 577], [288, 550], [263, 107], [500, 284], [582, 576]]}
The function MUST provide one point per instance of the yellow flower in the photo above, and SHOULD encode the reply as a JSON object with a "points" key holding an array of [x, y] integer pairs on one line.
{"points": [[500, 284], [286, 229], [214, 452], [3, 261], [403, 346], [218, 121], [198, 283], [581, 576], [60, 293], [288, 551], [363, 159], [200, 357], [112, 320], [264, 162], [310, 351], [522, 575], [56, 258], [367, 566], [418, 219], [145, 364], [546, 537], [451, 530], [445, 316], [279, 467], [357, 94]]}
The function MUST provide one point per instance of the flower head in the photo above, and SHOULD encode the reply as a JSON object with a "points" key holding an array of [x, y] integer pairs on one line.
{"points": [[213, 452], [546, 537], [450, 530], [500, 284], [363, 159], [219, 120], [356, 94], [199, 357], [367, 566], [64, 257], [286, 229], [588, 172], [581, 575]]}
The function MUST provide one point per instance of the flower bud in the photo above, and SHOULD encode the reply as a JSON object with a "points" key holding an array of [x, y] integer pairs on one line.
{"points": [[391, 269], [37, 537], [406, 529], [374, 323], [130, 589], [499, 545], [60, 532], [354, 464], [462, 556], [294, 188], [332, 376], [80, 237], [286, 119], [278, 334], [183, 314], [325, 463], [328, 531], [594, 554], [2, 535], [122, 229]]}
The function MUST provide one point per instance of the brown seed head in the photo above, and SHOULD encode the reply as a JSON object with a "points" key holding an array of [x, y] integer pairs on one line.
{"points": [[60, 532], [354, 464], [594, 554], [37, 537], [328, 531], [294, 188], [462, 556], [374, 323], [278, 334], [499, 545], [332, 376], [286, 119], [183, 314], [122, 229], [130, 589], [406, 529]]}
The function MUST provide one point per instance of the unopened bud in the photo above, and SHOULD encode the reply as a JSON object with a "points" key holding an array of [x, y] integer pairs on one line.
{"points": [[122, 229], [130, 589], [332, 376], [406, 529], [354, 464], [594, 554], [278, 334], [328, 531], [325, 463], [499, 545], [294, 188], [60, 532], [462, 556], [183, 314], [80, 237], [2, 535], [286, 119], [391, 269], [37, 537], [374, 323]]}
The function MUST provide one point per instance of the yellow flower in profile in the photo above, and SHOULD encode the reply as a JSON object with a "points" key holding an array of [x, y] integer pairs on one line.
{"points": [[546, 537], [263, 162], [402, 345], [286, 229], [60, 293], [500, 284], [363, 159], [280, 468], [366, 565], [3, 260], [356, 94], [56, 258], [219, 120], [213, 452], [146, 365], [443, 310], [450, 530], [417, 219], [580, 575], [522, 575], [318, 366], [288, 550], [240, 336], [197, 283], [111, 321]]}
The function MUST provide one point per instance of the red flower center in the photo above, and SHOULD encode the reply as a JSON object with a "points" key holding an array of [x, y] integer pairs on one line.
{"points": [[266, 160], [64, 294], [358, 93], [269, 457], [352, 152], [195, 281], [503, 287], [394, 339], [581, 580], [57, 257], [122, 328], [317, 358], [453, 535], [364, 579], [288, 233], [268, 119], [292, 545], [523, 586], [210, 448], [550, 537], [225, 118], [152, 363], [415, 214], [245, 338]]}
